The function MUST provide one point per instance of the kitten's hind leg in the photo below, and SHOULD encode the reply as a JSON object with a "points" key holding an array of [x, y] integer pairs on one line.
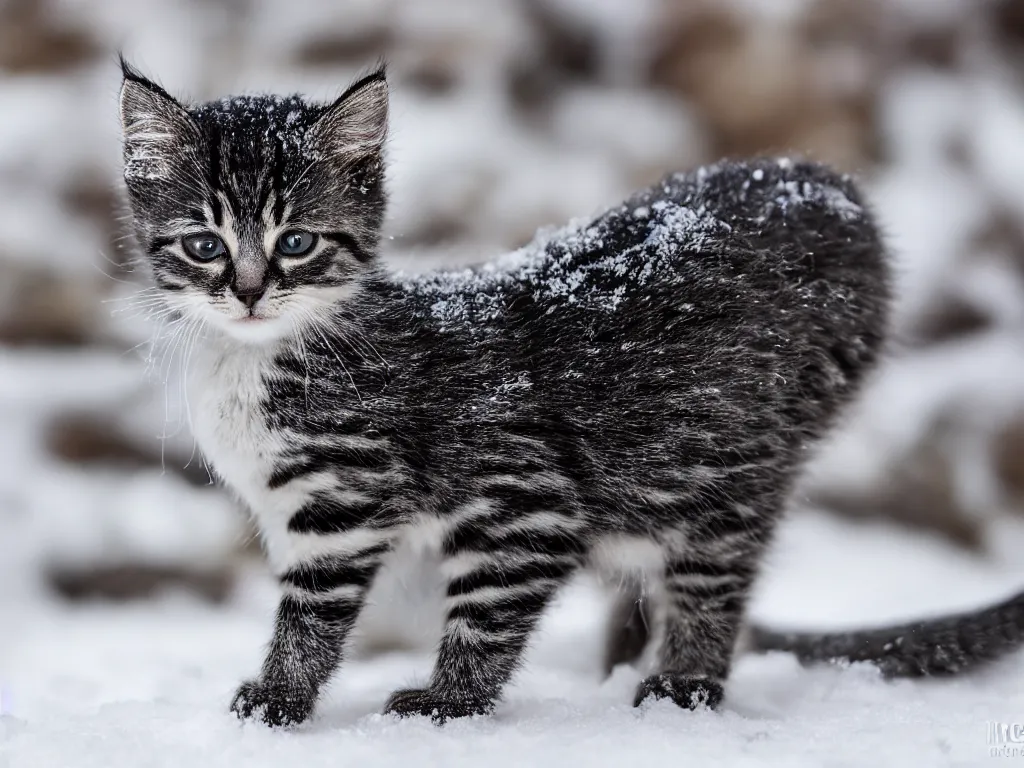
{"points": [[704, 595], [501, 577], [629, 628], [630, 566]]}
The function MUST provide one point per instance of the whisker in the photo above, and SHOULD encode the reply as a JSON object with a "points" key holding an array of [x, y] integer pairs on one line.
{"points": [[199, 328], [315, 327], [303, 356]]}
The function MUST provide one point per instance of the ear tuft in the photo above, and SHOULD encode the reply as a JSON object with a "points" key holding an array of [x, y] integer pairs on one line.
{"points": [[128, 71], [155, 125], [356, 124]]}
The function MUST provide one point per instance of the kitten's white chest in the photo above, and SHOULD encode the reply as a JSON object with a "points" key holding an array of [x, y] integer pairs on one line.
{"points": [[227, 394], [229, 403]]}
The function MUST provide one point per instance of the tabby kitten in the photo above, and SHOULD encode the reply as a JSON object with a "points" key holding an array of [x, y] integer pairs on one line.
{"points": [[634, 393]]}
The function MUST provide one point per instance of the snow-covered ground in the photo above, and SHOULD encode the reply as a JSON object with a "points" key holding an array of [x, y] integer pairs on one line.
{"points": [[148, 684]]}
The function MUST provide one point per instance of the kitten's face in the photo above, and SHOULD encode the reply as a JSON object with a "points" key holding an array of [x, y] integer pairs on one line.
{"points": [[258, 213]]}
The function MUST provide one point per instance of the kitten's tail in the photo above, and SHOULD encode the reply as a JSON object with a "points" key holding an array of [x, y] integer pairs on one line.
{"points": [[943, 646]]}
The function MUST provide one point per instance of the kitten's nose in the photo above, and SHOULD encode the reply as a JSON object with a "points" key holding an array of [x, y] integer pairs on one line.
{"points": [[250, 296], [250, 280]]}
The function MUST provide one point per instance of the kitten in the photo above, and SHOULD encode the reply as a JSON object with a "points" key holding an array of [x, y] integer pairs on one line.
{"points": [[635, 393]]}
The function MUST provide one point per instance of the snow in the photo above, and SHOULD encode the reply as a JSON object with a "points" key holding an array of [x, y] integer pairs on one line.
{"points": [[551, 263], [792, 193], [568, 264], [148, 684]]}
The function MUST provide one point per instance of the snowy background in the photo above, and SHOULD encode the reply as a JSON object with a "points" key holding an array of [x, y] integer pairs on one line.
{"points": [[132, 599]]}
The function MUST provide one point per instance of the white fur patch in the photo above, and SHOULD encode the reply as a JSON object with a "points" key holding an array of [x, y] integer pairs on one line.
{"points": [[226, 391], [619, 557]]}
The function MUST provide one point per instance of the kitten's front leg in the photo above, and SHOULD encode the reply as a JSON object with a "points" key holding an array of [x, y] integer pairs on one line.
{"points": [[320, 607], [501, 577]]}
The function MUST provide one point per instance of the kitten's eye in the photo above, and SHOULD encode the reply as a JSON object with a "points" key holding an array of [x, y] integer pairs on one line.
{"points": [[204, 247], [295, 243]]}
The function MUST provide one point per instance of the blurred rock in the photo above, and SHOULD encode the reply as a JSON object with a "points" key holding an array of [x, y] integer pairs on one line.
{"points": [[41, 306], [35, 38], [918, 489], [950, 316], [1008, 461], [98, 440], [983, 292], [924, 486], [565, 51], [136, 581], [94, 199], [767, 87], [331, 49], [1008, 22]]}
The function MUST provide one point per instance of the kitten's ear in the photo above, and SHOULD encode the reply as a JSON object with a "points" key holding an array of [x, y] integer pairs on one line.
{"points": [[155, 126], [357, 123]]}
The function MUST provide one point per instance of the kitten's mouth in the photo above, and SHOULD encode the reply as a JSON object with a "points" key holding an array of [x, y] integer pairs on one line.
{"points": [[255, 329], [255, 316]]}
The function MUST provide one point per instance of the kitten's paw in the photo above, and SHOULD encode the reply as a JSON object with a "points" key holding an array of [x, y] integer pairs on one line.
{"points": [[440, 709], [687, 692], [270, 705]]}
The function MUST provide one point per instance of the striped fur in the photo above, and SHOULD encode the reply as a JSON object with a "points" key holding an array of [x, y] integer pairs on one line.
{"points": [[634, 393]]}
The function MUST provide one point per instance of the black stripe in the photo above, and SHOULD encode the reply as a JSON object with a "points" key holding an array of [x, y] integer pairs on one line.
{"points": [[325, 575], [694, 568], [261, 203], [234, 203], [718, 521], [338, 612], [511, 465], [215, 168], [497, 575], [326, 515], [376, 457], [294, 612], [287, 471], [218, 210], [158, 244], [349, 243], [510, 615], [516, 498], [473, 536], [705, 592], [277, 171]]}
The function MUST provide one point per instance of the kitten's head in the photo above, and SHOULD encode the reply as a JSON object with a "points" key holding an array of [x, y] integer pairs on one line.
{"points": [[256, 212]]}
